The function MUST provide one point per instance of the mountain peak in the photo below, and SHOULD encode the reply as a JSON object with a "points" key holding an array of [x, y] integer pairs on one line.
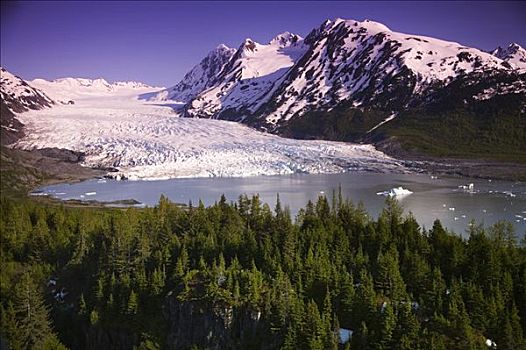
{"points": [[370, 25], [285, 39], [198, 79], [513, 53], [515, 46], [248, 45], [222, 47]]}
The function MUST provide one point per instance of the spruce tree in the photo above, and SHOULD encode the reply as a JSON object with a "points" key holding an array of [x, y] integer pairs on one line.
{"points": [[32, 313]]}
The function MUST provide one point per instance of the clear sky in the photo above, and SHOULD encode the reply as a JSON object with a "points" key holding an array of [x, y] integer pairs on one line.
{"points": [[158, 42]]}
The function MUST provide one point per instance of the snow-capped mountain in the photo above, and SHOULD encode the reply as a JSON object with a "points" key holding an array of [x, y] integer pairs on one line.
{"points": [[514, 54], [19, 96], [367, 64], [254, 71], [198, 79], [360, 64], [66, 89]]}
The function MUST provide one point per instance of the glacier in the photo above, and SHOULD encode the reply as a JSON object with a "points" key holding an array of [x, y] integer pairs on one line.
{"points": [[149, 140]]}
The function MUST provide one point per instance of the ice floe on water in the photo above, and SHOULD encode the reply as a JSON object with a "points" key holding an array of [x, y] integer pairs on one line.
{"points": [[509, 193], [470, 188], [395, 192], [38, 194], [149, 141]]}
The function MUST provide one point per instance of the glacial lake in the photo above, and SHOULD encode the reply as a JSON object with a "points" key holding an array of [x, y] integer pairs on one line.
{"points": [[432, 198]]}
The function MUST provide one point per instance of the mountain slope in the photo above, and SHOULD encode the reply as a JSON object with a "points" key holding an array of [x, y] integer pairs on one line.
{"points": [[197, 80], [365, 64], [514, 54], [253, 72], [353, 81], [17, 96], [362, 64]]}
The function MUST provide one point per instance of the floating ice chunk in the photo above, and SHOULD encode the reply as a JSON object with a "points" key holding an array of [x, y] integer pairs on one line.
{"points": [[395, 191], [468, 188], [38, 194], [90, 193]]}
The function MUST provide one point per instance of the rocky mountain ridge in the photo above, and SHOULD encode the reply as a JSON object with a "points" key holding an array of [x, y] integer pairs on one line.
{"points": [[342, 62]]}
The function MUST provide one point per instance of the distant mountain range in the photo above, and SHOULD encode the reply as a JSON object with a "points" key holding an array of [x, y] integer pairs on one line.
{"points": [[351, 81], [18, 95]]}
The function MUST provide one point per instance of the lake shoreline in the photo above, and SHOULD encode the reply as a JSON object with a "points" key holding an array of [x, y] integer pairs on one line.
{"points": [[475, 169], [455, 200]]}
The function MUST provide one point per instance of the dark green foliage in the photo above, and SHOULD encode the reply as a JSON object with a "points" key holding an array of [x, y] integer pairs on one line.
{"points": [[343, 123], [450, 121], [240, 275]]}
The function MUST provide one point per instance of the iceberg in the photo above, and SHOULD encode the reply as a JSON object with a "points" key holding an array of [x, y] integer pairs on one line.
{"points": [[468, 188], [395, 192]]}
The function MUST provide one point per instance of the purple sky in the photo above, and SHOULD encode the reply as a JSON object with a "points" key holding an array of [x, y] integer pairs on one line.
{"points": [[157, 42]]}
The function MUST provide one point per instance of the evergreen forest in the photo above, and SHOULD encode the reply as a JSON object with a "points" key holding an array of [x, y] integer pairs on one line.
{"points": [[243, 275]]}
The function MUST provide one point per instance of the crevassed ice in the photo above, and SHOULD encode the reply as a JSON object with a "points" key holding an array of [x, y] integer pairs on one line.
{"points": [[149, 141]]}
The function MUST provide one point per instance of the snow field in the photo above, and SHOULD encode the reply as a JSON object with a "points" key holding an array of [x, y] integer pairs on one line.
{"points": [[148, 141]]}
